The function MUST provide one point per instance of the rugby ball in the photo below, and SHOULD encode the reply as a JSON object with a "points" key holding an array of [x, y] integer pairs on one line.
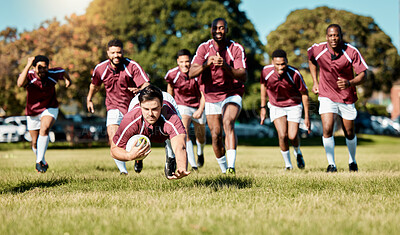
{"points": [[140, 139]]}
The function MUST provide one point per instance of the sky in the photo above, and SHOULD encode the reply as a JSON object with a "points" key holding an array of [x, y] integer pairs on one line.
{"points": [[266, 15]]}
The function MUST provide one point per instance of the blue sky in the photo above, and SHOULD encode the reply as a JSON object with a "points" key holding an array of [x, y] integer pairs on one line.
{"points": [[266, 15]]}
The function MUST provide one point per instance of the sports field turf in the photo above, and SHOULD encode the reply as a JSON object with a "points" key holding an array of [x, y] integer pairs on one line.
{"points": [[82, 193]]}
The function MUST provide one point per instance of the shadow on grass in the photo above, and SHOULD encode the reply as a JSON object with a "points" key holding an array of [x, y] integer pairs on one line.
{"points": [[29, 185], [220, 182]]}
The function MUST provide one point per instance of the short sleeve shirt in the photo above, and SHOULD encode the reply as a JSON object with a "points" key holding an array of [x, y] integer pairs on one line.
{"points": [[348, 62], [186, 91], [41, 93], [116, 82], [167, 126], [216, 84], [284, 90]]}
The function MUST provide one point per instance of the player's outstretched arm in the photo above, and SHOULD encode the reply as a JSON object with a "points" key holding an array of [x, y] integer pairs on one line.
{"points": [[67, 79], [93, 89], [179, 147], [313, 70], [138, 152], [197, 114], [304, 99], [22, 81]]}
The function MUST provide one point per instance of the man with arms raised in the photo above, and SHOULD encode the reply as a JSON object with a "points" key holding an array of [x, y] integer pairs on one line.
{"points": [[286, 89], [337, 62], [122, 79], [190, 104], [222, 66], [157, 119]]}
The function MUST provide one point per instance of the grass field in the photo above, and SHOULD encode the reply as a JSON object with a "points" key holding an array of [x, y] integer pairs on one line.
{"points": [[82, 193]]}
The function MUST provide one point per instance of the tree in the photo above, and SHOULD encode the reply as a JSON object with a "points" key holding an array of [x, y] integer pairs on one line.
{"points": [[304, 27]]}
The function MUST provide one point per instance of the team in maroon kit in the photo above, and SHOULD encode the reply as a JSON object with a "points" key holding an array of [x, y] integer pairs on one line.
{"points": [[210, 87]]}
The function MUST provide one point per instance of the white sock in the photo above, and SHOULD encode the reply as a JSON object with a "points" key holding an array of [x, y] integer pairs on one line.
{"points": [[200, 148], [296, 150], [351, 146], [222, 164], [42, 144], [286, 158], [231, 157], [329, 145], [190, 153], [121, 166]]}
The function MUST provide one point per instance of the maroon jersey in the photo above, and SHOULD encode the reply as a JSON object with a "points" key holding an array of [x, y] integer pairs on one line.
{"points": [[331, 68], [186, 91], [284, 90], [116, 82], [216, 84], [41, 93], [167, 126]]}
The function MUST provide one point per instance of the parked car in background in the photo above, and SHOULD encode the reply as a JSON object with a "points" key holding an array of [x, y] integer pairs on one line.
{"points": [[10, 132]]}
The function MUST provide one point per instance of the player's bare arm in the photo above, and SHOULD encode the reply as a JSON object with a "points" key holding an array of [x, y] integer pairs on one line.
{"points": [[313, 70], [170, 89], [138, 152], [135, 90], [93, 89], [178, 144], [22, 81], [344, 83], [67, 79], [263, 108], [197, 69], [197, 114], [304, 100]]}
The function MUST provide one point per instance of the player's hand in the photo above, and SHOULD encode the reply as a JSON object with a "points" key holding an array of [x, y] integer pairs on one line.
{"points": [[210, 60], [315, 88], [90, 106], [139, 152], [134, 90], [307, 124], [263, 113], [67, 83], [179, 173], [197, 114], [30, 61], [218, 60], [343, 83]]}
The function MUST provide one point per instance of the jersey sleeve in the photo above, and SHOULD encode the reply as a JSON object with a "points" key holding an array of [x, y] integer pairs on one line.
{"points": [[168, 77], [359, 64], [200, 56], [174, 126], [299, 81], [239, 57], [263, 74], [310, 54], [96, 76], [126, 130], [139, 75]]}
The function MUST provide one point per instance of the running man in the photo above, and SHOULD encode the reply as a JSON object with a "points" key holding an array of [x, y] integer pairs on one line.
{"points": [[41, 103], [190, 104], [337, 62], [287, 93]]}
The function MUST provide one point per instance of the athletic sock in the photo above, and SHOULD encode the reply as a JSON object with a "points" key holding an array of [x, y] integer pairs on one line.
{"points": [[231, 157], [296, 150], [42, 144], [329, 145], [200, 148], [190, 153], [121, 166], [222, 164], [351, 146], [286, 158]]}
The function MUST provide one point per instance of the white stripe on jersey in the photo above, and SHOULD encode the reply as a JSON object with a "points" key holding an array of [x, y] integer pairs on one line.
{"points": [[269, 75], [33, 80], [347, 56], [321, 53], [242, 50], [177, 76], [141, 130], [140, 69], [94, 70], [170, 71], [126, 128], [316, 44], [290, 77], [229, 53], [104, 73], [298, 73], [198, 49], [126, 70], [52, 79], [170, 123], [57, 71], [359, 54]]}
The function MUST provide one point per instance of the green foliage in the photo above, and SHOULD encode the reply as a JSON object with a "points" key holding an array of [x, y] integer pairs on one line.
{"points": [[304, 27]]}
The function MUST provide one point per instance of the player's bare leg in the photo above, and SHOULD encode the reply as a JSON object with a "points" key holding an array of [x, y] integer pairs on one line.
{"points": [[281, 126], [186, 119], [200, 132], [214, 123], [351, 142], [230, 113], [328, 140], [293, 135], [111, 130], [46, 122]]}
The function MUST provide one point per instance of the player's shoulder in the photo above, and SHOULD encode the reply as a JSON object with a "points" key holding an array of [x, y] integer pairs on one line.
{"points": [[206, 45], [56, 70], [350, 48], [268, 67], [317, 46], [134, 113], [235, 45], [172, 72], [294, 70], [101, 65]]}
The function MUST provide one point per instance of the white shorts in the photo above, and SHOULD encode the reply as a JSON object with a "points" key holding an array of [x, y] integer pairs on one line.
{"points": [[292, 113], [346, 111], [114, 117], [33, 122], [216, 108], [186, 110], [166, 96]]}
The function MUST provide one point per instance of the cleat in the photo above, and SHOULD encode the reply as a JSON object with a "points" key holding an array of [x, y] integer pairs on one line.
{"points": [[195, 169], [200, 160], [331, 168], [138, 166], [170, 167], [353, 167], [44, 166], [39, 168], [123, 173], [288, 168], [300, 161], [231, 171]]}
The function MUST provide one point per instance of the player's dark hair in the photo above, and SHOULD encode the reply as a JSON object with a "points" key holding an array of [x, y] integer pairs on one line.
{"points": [[40, 58], [279, 53], [335, 26], [115, 43], [184, 52], [214, 22], [150, 93]]}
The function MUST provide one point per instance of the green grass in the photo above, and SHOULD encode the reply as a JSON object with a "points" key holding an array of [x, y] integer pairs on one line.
{"points": [[82, 193]]}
